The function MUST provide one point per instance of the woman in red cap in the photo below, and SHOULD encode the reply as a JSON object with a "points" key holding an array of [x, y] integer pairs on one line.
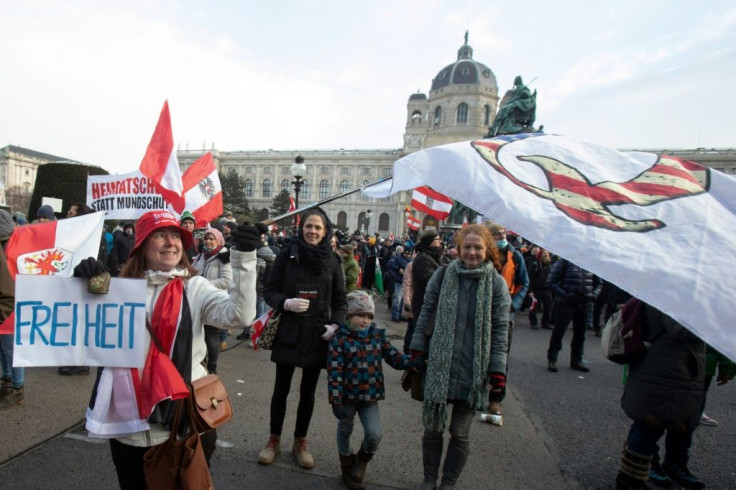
{"points": [[126, 406]]}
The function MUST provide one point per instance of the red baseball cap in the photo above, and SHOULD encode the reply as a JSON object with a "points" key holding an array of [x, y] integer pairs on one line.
{"points": [[152, 221]]}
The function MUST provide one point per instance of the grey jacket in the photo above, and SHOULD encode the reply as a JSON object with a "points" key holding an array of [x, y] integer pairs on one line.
{"points": [[461, 370]]}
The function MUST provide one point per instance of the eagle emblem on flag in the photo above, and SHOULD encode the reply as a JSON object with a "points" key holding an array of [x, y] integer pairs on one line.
{"points": [[45, 262], [573, 193], [207, 188]]}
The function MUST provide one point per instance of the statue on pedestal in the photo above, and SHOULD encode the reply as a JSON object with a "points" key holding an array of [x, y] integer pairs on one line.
{"points": [[517, 111]]}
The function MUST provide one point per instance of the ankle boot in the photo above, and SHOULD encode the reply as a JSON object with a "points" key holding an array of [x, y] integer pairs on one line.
{"points": [[361, 462], [303, 457], [272, 449], [12, 397], [6, 384], [346, 464], [634, 470]]}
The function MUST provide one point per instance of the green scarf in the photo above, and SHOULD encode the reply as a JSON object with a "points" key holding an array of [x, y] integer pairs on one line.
{"points": [[439, 363]]}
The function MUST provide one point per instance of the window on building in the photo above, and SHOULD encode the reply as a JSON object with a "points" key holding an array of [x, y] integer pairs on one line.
{"points": [[250, 170], [416, 118], [266, 189], [465, 72], [342, 220], [306, 191], [437, 116], [487, 115], [28, 172], [285, 185], [324, 170], [345, 171], [366, 171], [248, 188], [386, 171], [324, 189], [462, 113], [267, 170], [344, 186], [363, 197], [383, 222]]}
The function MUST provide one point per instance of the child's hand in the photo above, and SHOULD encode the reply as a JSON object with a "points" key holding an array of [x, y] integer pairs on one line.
{"points": [[340, 412]]}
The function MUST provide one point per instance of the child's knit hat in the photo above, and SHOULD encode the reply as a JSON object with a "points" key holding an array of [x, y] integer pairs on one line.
{"points": [[360, 303]]}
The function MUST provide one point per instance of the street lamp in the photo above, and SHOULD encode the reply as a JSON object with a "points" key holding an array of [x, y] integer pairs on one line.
{"points": [[298, 170], [367, 221]]}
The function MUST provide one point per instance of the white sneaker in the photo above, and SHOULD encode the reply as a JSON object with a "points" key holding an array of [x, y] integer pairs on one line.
{"points": [[705, 420]]}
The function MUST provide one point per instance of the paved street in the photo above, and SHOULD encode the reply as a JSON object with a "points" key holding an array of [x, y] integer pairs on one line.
{"points": [[562, 430]]}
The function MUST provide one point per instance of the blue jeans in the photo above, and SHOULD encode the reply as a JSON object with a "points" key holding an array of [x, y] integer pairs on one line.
{"points": [[396, 301], [371, 420], [17, 374], [643, 439]]}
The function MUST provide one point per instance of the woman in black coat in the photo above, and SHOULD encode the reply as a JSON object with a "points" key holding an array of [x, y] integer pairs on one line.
{"points": [[306, 286]]}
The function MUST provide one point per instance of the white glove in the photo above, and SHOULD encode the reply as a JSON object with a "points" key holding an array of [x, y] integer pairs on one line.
{"points": [[330, 331], [297, 305]]}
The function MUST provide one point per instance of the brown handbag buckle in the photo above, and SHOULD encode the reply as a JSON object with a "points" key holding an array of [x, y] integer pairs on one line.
{"points": [[214, 402]]}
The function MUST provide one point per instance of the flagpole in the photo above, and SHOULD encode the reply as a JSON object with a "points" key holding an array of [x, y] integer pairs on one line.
{"points": [[326, 200]]}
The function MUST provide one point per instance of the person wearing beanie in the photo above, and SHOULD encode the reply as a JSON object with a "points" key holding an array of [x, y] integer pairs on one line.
{"points": [[122, 245], [11, 391], [187, 221], [355, 382], [350, 267], [45, 213], [213, 263], [429, 248]]}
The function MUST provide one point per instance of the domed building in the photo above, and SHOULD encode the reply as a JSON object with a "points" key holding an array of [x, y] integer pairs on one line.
{"points": [[462, 103]]}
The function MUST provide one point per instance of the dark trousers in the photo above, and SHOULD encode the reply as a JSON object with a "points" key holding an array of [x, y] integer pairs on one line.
{"points": [[643, 439], [212, 341], [409, 334], [281, 388], [128, 460], [544, 304], [566, 313]]}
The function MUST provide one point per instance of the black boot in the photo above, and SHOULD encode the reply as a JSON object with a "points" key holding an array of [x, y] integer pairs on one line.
{"points": [[361, 461], [634, 470], [346, 465]]}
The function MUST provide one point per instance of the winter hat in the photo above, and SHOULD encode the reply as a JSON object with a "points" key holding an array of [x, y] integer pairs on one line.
{"points": [[152, 221], [127, 225], [360, 303], [426, 239], [186, 215], [215, 233], [45, 211], [6, 225], [232, 225], [348, 249]]}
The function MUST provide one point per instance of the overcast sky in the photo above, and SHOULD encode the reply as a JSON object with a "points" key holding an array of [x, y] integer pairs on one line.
{"points": [[86, 80]]}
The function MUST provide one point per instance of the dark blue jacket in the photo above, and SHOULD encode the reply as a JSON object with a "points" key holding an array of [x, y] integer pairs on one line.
{"points": [[397, 262], [574, 285]]}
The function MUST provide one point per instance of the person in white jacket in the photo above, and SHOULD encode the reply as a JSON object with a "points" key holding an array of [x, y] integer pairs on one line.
{"points": [[126, 407]]}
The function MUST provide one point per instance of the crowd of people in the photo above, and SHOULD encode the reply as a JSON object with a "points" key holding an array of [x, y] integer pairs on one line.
{"points": [[458, 294]]}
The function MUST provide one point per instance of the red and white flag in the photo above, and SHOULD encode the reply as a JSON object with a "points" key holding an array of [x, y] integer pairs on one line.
{"points": [[202, 190], [292, 207], [53, 248], [660, 227], [258, 326], [465, 221], [412, 222], [161, 165], [431, 202]]}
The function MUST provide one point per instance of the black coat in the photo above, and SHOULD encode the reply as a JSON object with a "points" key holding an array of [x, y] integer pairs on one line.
{"points": [[572, 284], [298, 340], [665, 387], [122, 245], [421, 272]]}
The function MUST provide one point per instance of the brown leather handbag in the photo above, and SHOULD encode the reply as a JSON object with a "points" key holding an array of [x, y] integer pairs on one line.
{"points": [[212, 404], [178, 464]]}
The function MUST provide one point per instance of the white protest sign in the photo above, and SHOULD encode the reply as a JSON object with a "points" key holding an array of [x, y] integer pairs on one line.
{"points": [[125, 196], [58, 323]]}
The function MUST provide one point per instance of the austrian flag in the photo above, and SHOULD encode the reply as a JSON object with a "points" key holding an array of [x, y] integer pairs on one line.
{"points": [[431, 202], [412, 222], [202, 190]]}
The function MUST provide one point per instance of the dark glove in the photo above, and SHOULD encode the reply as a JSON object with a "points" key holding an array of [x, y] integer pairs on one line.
{"points": [[89, 267], [262, 229], [497, 381], [340, 412], [247, 238], [418, 364]]}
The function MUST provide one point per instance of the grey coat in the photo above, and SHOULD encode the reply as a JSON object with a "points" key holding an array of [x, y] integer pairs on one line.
{"points": [[461, 369], [665, 387]]}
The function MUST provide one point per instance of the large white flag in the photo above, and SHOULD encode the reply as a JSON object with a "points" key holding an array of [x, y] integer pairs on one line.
{"points": [[662, 228]]}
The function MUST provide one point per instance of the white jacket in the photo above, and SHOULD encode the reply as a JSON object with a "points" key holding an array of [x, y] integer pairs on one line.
{"points": [[224, 309]]}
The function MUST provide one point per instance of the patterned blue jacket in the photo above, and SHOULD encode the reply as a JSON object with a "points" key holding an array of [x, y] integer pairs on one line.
{"points": [[354, 367]]}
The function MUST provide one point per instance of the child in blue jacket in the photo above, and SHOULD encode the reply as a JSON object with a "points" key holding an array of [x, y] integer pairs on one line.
{"points": [[355, 382]]}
